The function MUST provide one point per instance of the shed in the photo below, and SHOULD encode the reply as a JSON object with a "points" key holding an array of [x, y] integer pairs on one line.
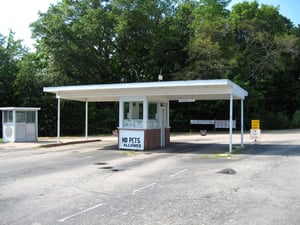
{"points": [[19, 124]]}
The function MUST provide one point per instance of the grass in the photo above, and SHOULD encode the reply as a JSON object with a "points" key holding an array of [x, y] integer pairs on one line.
{"points": [[130, 153], [225, 155], [236, 150]]}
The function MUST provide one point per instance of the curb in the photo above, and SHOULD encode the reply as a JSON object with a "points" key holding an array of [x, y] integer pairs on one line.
{"points": [[67, 143]]}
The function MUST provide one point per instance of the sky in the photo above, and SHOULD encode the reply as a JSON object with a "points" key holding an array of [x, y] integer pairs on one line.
{"points": [[287, 8], [18, 14]]}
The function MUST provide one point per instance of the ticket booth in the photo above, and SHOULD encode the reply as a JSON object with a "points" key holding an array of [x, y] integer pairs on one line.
{"points": [[19, 124], [143, 123]]}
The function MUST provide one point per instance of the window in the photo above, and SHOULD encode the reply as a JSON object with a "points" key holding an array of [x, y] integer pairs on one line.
{"points": [[20, 117], [133, 114], [30, 117], [126, 110], [152, 116], [8, 116], [133, 110], [152, 111], [140, 113]]}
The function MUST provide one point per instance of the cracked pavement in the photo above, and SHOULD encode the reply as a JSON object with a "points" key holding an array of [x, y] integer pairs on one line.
{"points": [[94, 183]]}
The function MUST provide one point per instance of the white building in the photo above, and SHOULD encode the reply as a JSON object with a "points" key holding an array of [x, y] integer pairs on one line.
{"points": [[19, 124]]}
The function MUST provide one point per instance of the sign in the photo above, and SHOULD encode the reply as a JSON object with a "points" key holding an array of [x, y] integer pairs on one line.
{"points": [[212, 122], [131, 139], [186, 100], [224, 124], [217, 123], [255, 134], [255, 124]]}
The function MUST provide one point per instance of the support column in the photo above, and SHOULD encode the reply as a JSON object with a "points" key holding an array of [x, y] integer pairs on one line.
{"points": [[145, 114], [168, 114], [86, 119], [121, 113], [14, 125], [230, 122], [36, 125], [58, 119], [242, 123]]}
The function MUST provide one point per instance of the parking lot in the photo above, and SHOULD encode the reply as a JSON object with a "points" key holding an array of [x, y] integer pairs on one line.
{"points": [[193, 181]]}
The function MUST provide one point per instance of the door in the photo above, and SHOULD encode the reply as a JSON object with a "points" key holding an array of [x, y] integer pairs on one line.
{"points": [[163, 122]]}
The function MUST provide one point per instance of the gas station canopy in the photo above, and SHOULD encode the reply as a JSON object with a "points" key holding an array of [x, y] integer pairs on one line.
{"points": [[165, 90]]}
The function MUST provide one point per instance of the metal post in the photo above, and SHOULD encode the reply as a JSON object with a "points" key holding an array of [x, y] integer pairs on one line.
{"points": [[86, 119], [14, 125], [168, 114], [121, 113], [58, 120], [242, 123], [36, 126], [230, 123]]}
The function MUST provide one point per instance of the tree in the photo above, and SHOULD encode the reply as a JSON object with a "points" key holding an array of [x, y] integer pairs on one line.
{"points": [[148, 39], [261, 34], [208, 45], [97, 41], [265, 48], [79, 37], [11, 51]]}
